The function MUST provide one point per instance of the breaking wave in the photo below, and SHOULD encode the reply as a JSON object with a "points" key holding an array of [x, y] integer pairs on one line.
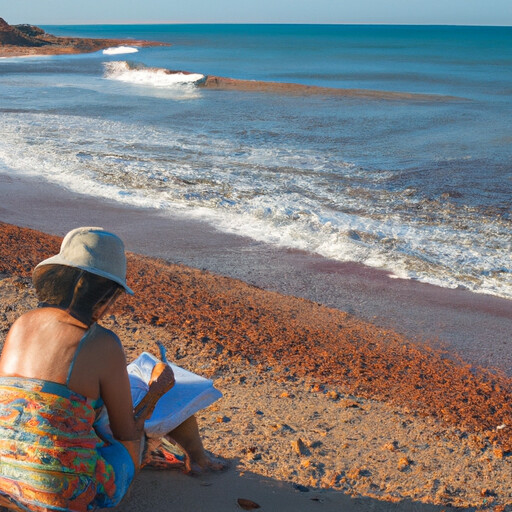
{"points": [[118, 50], [139, 74], [308, 201]]}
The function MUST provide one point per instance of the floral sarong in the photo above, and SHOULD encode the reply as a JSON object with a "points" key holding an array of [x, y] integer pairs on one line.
{"points": [[50, 454]]}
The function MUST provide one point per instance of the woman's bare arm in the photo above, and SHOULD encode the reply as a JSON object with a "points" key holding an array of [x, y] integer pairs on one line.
{"points": [[116, 394], [126, 426]]}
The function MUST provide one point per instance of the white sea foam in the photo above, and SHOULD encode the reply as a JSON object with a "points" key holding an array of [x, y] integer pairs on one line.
{"points": [[118, 50], [271, 194], [154, 77]]}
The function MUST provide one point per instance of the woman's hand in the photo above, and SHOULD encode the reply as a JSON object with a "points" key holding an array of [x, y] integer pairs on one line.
{"points": [[162, 380]]}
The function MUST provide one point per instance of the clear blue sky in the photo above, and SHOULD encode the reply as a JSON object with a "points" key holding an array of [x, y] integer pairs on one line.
{"points": [[452, 12]]}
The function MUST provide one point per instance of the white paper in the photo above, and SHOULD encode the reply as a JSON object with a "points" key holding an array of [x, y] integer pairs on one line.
{"points": [[190, 393]]}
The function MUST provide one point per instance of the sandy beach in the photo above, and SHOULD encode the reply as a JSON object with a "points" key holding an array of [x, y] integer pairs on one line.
{"points": [[321, 409]]}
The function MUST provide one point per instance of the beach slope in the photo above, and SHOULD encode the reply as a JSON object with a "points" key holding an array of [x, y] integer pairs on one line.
{"points": [[305, 387]]}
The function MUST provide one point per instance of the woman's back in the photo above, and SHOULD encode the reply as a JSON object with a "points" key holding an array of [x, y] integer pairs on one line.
{"points": [[43, 344], [48, 446], [50, 374]]}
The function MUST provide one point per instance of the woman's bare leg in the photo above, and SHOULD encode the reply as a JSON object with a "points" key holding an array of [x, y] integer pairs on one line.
{"points": [[197, 460]]}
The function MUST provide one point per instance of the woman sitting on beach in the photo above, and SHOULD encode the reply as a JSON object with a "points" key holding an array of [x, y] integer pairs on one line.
{"points": [[57, 368]]}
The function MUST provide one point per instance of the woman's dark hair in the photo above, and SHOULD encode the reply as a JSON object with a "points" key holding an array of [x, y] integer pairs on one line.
{"points": [[73, 289]]}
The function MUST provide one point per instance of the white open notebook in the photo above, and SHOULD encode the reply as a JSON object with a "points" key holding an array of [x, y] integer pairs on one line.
{"points": [[189, 394]]}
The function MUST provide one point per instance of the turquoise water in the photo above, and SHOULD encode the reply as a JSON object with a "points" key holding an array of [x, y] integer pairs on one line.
{"points": [[419, 187], [444, 60]]}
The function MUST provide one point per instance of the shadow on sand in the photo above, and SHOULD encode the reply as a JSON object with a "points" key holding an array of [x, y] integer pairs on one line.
{"points": [[162, 491]]}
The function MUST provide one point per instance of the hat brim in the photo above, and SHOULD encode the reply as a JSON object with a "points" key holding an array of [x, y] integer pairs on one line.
{"points": [[59, 260]]}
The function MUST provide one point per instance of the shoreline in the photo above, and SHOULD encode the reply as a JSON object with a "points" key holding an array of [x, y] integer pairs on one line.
{"points": [[49, 45], [476, 326]]}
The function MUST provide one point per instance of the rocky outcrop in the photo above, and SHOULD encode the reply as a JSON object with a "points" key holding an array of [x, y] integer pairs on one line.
{"points": [[30, 30], [18, 40], [21, 35]]}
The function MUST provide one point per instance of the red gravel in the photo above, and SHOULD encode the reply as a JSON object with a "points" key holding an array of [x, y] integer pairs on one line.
{"points": [[298, 337]]}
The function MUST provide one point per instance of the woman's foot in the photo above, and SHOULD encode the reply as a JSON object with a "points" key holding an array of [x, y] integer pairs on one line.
{"points": [[197, 460], [205, 464]]}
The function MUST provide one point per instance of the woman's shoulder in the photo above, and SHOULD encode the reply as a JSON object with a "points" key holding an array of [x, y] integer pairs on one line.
{"points": [[29, 320], [105, 342], [104, 334], [43, 315]]}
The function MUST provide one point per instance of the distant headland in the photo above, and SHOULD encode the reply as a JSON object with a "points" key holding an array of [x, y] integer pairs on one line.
{"points": [[26, 40]]}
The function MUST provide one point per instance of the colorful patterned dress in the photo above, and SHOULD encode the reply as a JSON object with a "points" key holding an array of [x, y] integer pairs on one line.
{"points": [[50, 455]]}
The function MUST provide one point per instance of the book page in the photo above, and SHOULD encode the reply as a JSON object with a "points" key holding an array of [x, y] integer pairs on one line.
{"points": [[190, 394]]}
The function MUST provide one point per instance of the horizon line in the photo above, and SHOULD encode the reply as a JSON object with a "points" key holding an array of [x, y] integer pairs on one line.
{"points": [[273, 23]]}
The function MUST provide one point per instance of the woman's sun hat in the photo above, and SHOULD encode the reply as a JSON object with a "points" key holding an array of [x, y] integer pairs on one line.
{"points": [[95, 250]]}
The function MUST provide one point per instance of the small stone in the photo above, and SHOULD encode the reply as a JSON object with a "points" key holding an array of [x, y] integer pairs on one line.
{"points": [[305, 463], [391, 446], [354, 473], [222, 419], [403, 464], [247, 504], [329, 479], [299, 447], [347, 403], [285, 394], [333, 395], [313, 482], [498, 453]]}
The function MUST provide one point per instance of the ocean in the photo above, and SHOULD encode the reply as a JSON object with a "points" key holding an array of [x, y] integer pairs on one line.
{"points": [[420, 186]]}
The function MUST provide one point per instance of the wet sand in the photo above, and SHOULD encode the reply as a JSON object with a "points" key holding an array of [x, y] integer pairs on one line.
{"points": [[476, 326]]}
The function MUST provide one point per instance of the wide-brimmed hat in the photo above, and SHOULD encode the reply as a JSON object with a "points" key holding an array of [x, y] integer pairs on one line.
{"points": [[95, 250]]}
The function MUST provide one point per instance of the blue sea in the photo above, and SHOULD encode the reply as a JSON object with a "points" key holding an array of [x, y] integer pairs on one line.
{"points": [[420, 186]]}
